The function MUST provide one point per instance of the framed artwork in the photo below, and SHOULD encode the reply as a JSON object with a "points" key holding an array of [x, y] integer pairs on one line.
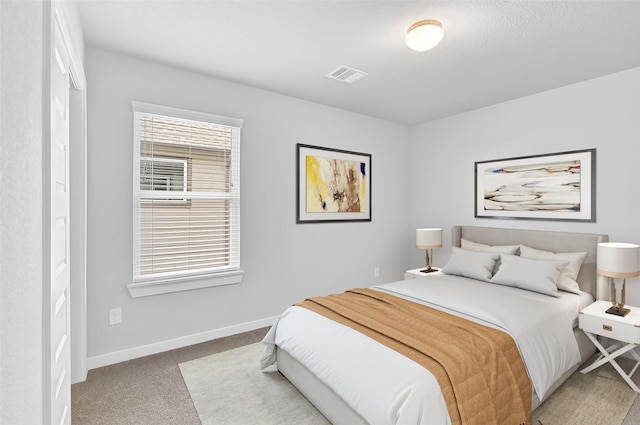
{"points": [[556, 186], [332, 185]]}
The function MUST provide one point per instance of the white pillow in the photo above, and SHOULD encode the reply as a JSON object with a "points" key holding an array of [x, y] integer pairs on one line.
{"points": [[475, 265], [480, 247], [532, 275], [568, 275]]}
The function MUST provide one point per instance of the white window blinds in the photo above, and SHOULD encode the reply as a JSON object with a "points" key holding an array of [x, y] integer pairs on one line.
{"points": [[186, 193]]}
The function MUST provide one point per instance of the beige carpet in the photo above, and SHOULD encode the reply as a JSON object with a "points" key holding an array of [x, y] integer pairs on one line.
{"points": [[229, 389]]}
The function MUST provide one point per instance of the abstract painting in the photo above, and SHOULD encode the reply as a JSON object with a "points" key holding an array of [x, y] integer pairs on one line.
{"points": [[332, 185], [556, 186]]}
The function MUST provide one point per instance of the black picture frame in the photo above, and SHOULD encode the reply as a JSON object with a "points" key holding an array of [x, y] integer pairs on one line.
{"points": [[332, 185], [556, 186]]}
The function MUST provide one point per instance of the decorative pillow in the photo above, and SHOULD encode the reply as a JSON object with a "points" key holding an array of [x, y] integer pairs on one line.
{"points": [[568, 275], [475, 265], [533, 275], [480, 247]]}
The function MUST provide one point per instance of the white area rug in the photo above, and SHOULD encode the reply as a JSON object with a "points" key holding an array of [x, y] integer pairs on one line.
{"points": [[229, 389]]}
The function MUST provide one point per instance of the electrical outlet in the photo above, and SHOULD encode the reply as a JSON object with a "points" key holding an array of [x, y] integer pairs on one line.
{"points": [[376, 272], [115, 316]]}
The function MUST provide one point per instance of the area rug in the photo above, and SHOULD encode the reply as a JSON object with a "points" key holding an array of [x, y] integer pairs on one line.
{"points": [[599, 397], [229, 389]]}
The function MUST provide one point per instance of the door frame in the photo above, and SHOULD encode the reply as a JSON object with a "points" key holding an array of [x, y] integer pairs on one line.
{"points": [[78, 202], [55, 17]]}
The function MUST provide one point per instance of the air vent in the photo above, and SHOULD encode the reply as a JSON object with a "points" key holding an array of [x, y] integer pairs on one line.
{"points": [[346, 74]]}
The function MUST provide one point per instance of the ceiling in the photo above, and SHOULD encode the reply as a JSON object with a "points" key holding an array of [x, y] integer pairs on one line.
{"points": [[492, 51]]}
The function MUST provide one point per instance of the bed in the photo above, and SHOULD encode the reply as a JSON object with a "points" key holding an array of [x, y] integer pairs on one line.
{"points": [[354, 379]]}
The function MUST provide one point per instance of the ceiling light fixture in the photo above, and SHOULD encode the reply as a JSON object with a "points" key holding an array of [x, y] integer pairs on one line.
{"points": [[424, 35]]}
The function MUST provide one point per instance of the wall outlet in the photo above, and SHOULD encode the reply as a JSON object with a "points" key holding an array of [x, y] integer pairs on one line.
{"points": [[376, 272], [115, 316]]}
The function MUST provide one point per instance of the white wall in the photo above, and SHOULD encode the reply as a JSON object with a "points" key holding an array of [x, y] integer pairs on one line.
{"points": [[602, 113], [21, 206], [284, 262]]}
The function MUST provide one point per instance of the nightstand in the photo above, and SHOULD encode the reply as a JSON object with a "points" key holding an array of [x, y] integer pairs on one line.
{"points": [[416, 273], [624, 330]]}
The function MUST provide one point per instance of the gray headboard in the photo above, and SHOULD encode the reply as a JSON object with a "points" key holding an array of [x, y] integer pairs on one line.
{"points": [[545, 240]]}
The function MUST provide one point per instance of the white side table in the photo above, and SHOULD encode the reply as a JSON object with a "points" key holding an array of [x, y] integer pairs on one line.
{"points": [[416, 273], [624, 330]]}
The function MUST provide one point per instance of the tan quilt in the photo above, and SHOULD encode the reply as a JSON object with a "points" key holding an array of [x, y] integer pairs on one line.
{"points": [[479, 369]]}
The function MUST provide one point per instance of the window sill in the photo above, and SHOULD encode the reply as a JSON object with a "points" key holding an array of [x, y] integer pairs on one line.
{"points": [[157, 287]]}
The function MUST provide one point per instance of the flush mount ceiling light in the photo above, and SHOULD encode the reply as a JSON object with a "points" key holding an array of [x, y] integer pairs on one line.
{"points": [[424, 35]]}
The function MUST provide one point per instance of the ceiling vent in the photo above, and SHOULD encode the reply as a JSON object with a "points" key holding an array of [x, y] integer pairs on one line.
{"points": [[346, 74]]}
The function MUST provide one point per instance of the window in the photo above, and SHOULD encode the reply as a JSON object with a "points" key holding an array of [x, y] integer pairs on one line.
{"points": [[186, 200], [163, 174]]}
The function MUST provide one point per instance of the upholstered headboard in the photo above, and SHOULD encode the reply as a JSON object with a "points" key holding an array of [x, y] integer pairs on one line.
{"points": [[545, 240]]}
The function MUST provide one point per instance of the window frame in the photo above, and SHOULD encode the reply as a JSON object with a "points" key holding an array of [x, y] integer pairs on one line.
{"points": [[145, 285]]}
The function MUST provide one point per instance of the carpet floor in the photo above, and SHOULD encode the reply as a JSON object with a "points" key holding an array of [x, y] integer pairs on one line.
{"points": [[229, 389], [151, 390], [146, 391], [598, 397]]}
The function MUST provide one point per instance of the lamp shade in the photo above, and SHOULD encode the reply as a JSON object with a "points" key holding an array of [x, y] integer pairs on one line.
{"points": [[428, 238], [617, 259], [424, 35]]}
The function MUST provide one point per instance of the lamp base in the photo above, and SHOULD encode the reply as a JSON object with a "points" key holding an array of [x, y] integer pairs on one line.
{"points": [[428, 270], [618, 310]]}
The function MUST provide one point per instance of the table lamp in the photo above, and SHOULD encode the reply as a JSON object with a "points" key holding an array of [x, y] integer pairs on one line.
{"points": [[428, 239], [618, 260]]}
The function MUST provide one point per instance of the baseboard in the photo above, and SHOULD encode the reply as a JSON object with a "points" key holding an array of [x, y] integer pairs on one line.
{"points": [[172, 344]]}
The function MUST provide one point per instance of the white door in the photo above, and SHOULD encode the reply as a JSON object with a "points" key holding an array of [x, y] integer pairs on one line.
{"points": [[59, 391]]}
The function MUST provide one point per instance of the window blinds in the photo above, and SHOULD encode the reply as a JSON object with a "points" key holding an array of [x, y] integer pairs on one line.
{"points": [[186, 189]]}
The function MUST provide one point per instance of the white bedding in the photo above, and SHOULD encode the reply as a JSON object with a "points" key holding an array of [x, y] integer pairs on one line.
{"points": [[385, 387]]}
